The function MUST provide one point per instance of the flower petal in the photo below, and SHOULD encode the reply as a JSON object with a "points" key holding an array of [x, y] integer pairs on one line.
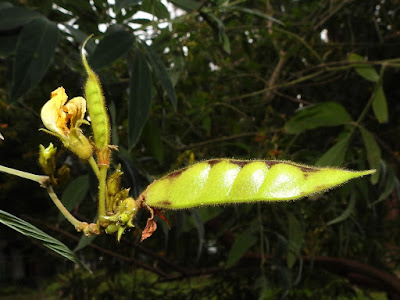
{"points": [[53, 116], [75, 109]]}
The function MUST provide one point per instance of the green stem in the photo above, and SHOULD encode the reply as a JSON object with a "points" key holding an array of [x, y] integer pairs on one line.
{"points": [[38, 178], [78, 224], [93, 164], [102, 190]]}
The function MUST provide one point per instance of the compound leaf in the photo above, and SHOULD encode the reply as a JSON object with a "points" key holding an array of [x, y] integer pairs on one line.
{"points": [[35, 49]]}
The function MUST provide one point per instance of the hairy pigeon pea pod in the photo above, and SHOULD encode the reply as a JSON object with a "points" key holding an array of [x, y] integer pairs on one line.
{"points": [[225, 181], [96, 106]]}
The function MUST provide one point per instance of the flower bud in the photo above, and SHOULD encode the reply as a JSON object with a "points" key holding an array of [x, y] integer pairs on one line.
{"points": [[47, 159], [63, 174], [114, 181], [79, 144]]}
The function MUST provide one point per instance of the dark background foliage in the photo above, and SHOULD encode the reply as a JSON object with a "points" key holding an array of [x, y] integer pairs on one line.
{"points": [[309, 81]]}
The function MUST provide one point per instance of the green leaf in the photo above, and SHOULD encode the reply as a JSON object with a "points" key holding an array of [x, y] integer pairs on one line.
{"points": [[14, 17], [320, 115], [35, 49], [75, 192], [152, 140], [209, 212], [346, 214], [295, 238], [187, 5], [364, 70], [120, 4], [114, 126], [379, 104], [84, 241], [139, 99], [335, 155], [4, 5], [222, 37], [8, 43], [226, 44], [156, 8], [110, 48], [388, 184], [80, 37], [200, 231], [31, 231], [242, 243], [162, 75], [373, 153]]}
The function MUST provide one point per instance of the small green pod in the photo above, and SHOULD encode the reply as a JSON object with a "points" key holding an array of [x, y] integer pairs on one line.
{"points": [[225, 181], [96, 105]]}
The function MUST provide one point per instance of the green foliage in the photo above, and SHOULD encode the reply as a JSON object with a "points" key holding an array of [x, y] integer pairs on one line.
{"points": [[336, 154], [379, 104], [34, 52], [75, 192], [242, 244], [140, 98], [320, 115], [116, 43], [364, 70], [223, 80], [31, 231]]}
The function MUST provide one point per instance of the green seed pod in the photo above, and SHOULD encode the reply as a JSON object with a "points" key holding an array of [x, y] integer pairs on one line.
{"points": [[96, 105], [225, 181]]}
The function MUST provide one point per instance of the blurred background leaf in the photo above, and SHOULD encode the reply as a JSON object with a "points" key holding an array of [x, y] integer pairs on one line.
{"points": [[193, 80]]}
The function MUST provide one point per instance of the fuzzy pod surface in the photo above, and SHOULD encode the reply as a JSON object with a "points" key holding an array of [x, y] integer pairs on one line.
{"points": [[96, 105], [225, 181]]}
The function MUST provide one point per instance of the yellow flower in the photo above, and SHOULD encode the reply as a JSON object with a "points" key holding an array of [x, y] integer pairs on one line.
{"points": [[63, 118], [60, 116]]}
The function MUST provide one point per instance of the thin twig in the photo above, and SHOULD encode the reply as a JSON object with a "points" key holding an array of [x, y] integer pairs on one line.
{"points": [[331, 13], [275, 74], [76, 223], [210, 141], [293, 98]]}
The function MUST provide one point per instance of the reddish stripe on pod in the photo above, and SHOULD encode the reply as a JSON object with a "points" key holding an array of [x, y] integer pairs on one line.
{"points": [[240, 163], [212, 162], [303, 168], [176, 173]]}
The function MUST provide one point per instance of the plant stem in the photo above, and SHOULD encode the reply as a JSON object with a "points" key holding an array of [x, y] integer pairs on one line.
{"points": [[77, 224], [94, 166], [102, 190], [41, 179]]}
